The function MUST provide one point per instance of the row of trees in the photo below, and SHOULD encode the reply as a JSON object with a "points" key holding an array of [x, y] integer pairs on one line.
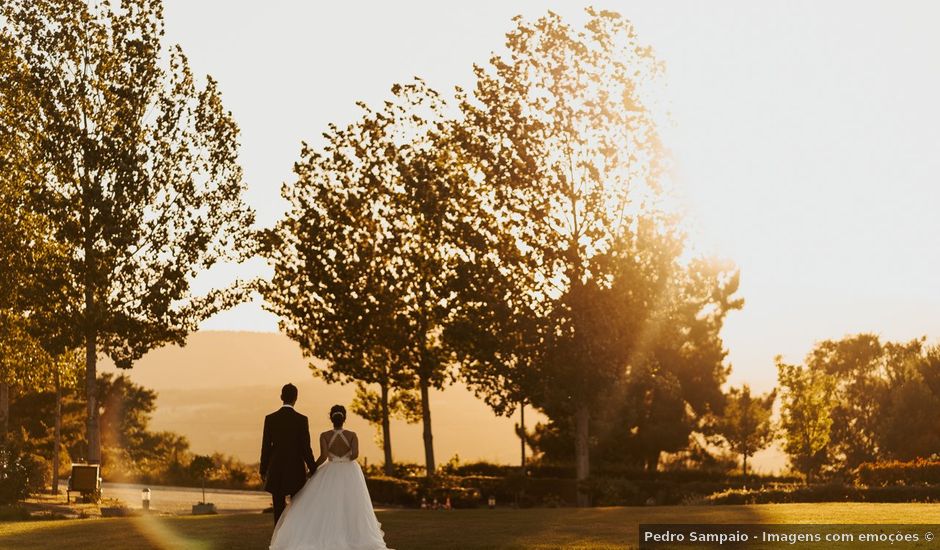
{"points": [[516, 231], [854, 401], [859, 400], [515, 236]]}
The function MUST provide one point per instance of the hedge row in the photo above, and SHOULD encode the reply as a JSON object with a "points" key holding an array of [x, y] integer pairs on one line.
{"points": [[916, 472], [474, 491], [610, 471], [827, 493], [471, 491]]}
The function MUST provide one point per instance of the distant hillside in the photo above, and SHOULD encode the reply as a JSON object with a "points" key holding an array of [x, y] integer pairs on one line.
{"points": [[217, 389]]}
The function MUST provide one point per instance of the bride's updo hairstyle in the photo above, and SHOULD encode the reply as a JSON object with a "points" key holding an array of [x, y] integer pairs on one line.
{"points": [[338, 416]]}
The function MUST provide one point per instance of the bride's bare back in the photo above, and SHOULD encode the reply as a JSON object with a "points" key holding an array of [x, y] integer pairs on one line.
{"points": [[340, 443]]}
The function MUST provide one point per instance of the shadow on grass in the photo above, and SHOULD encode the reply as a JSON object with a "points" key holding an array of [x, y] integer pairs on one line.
{"points": [[242, 532]]}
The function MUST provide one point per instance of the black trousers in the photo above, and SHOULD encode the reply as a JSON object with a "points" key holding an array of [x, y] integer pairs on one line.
{"points": [[280, 502]]}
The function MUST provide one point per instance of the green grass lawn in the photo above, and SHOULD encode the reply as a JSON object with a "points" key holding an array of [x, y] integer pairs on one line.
{"points": [[594, 528]]}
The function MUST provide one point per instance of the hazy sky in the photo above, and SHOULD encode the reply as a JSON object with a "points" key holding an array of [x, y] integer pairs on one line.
{"points": [[806, 137]]}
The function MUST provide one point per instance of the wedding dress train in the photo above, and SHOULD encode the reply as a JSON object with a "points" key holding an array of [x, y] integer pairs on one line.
{"points": [[333, 511]]}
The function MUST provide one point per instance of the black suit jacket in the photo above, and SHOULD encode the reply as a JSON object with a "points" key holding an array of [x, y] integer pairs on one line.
{"points": [[285, 448]]}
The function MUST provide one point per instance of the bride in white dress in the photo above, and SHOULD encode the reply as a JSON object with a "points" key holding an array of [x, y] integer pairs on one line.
{"points": [[333, 511]]}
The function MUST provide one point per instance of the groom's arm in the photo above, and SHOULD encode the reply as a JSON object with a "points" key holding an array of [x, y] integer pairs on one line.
{"points": [[322, 458], [305, 448], [265, 448]]}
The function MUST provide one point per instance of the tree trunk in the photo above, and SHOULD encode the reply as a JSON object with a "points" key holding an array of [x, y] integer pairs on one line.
{"points": [[582, 453], [744, 466], [522, 437], [386, 432], [92, 431], [426, 420], [57, 438], [522, 432], [652, 462], [4, 411]]}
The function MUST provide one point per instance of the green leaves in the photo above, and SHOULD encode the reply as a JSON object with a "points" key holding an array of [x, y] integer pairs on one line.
{"points": [[143, 187], [572, 282], [138, 179], [884, 407], [745, 423], [806, 414], [362, 261]]}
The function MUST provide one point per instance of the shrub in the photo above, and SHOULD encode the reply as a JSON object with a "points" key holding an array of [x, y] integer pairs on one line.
{"points": [[399, 470], [915, 472], [20, 473], [440, 488], [638, 492], [551, 491], [394, 491], [13, 513], [39, 472], [480, 468], [470, 485], [614, 492]]}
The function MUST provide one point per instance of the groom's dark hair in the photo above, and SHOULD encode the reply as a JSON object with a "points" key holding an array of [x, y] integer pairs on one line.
{"points": [[289, 393]]}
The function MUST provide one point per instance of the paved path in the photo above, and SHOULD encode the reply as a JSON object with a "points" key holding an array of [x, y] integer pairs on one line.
{"points": [[180, 500]]}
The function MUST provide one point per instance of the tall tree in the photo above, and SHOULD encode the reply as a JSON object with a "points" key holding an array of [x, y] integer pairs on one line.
{"points": [[358, 259], [675, 386], [806, 415], [430, 217], [929, 368], [27, 252], [857, 365], [66, 375], [746, 424], [559, 126], [883, 408], [672, 386], [31, 357], [908, 415], [333, 286], [496, 324], [140, 178]]}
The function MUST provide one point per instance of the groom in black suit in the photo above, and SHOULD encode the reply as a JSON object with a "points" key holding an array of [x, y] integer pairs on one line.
{"points": [[285, 448]]}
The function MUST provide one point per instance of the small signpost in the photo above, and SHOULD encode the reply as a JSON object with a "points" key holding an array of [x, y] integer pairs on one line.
{"points": [[85, 479]]}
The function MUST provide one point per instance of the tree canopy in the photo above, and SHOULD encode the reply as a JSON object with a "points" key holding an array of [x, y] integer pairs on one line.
{"points": [[581, 266], [746, 423], [361, 262], [138, 175]]}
